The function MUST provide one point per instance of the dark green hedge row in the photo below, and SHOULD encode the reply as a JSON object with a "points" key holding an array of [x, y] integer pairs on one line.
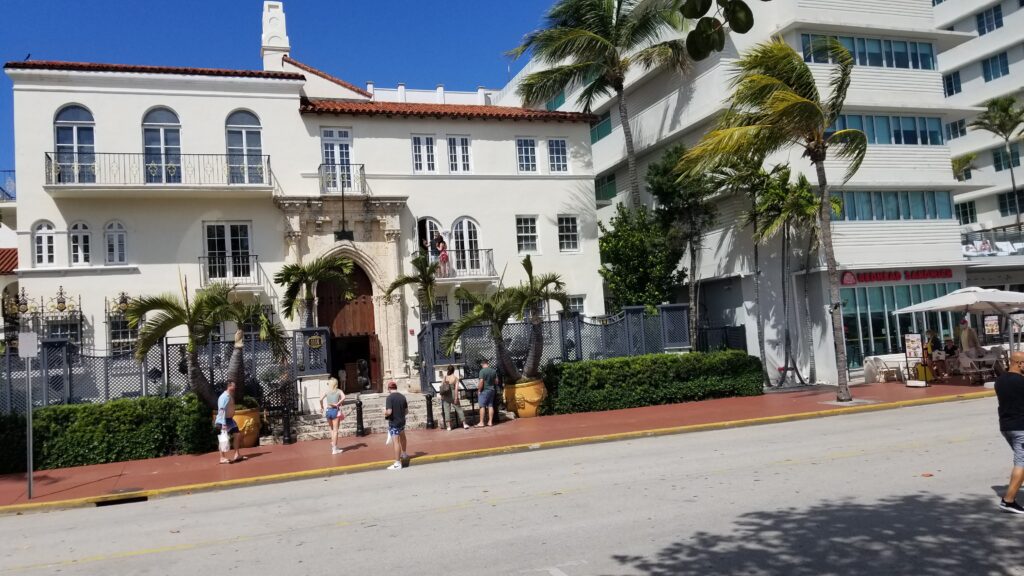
{"points": [[635, 381], [127, 429]]}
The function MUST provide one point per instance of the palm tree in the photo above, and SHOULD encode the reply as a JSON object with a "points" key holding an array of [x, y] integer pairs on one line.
{"points": [[424, 277], [775, 105], [494, 310], [252, 314], [530, 297], [1003, 118], [296, 278], [156, 316], [961, 164], [594, 44]]}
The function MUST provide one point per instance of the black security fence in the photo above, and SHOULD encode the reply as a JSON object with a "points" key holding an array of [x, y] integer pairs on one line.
{"points": [[64, 373], [569, 338]]}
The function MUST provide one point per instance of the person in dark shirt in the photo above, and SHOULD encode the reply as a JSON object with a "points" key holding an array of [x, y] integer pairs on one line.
{"points": [[1010, 392], [395, 409]]}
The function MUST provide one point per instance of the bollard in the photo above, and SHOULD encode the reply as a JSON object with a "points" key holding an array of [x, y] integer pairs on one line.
{"points": [[286, 436], [360, 430], [430, 412]]}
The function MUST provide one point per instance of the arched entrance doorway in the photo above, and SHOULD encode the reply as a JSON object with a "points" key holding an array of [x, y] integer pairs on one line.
{"points": [[355, 352]]}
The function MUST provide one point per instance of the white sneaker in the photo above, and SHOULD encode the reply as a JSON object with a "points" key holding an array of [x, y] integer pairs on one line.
{"points": [[396, 466], [335, 451]]}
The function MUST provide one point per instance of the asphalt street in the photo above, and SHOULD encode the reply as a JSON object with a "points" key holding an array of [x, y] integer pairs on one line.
{"points": [[907, 491]]}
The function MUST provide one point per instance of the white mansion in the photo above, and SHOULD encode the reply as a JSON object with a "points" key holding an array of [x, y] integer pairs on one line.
{"points": [[136, 179]]}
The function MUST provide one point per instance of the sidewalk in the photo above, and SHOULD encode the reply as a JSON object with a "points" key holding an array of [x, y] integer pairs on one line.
{"points": [[140, 479]]}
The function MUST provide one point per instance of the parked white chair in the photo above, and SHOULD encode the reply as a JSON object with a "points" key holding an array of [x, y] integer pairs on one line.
{"points": [[1004, 248]]}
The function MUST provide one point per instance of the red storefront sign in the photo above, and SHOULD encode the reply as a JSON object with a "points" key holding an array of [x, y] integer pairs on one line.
{"points": [[850, 278]]}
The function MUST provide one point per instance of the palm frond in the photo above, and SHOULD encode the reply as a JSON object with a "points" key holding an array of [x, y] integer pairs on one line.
{"points": [[157, 325], [671, 53], [839, 80], [539, 87], [851, 145], [776, 58], [758, 140]]}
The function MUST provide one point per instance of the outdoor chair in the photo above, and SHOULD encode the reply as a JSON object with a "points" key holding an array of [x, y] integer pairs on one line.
{"points": [[1004, 249]]}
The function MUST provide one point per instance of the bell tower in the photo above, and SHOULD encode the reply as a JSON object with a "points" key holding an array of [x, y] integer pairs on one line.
{"points": [[275, 35]]}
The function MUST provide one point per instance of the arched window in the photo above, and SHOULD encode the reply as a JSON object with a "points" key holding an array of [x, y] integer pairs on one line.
{"points": [[42, 244], [81, 245], [245, 148], [74, 146], [426, 228], [161, 136], [116, 240], [466, 245]]}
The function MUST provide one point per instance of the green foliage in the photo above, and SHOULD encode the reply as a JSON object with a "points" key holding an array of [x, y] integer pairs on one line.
{"points": [[961, 164], [639, 262], [119, 430], [684, 200], [1002, 117], [303, 278], [709, 34], [632, 382]]}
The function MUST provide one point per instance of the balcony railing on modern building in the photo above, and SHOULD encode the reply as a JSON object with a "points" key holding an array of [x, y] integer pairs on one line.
{"points": [[1002, 241], [7, 186], [342, 179], [156, 169], [465, 264], [242, 270]]}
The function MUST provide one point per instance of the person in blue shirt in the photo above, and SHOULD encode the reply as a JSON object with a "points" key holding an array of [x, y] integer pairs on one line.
{"points": [[226, 423]]}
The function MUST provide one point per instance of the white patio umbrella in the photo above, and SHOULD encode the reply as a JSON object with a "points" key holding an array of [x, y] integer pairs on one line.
{"points": [[973, 300]]}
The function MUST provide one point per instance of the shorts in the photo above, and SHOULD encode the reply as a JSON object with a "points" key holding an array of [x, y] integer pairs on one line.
{"points": [[395, 431], [486, 399], [1015, 438], [332, 414], [230, 425]]}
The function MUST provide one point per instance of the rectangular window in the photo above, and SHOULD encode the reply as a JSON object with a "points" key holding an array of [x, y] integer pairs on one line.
{"points": [[122, 335], [605, 189], [526, 154], [957, 129], [558, 156], [995, 67], [926, 55], [887, 44], [966, 213], [883, 133], [917, 209], [458, 155], [892, 205], [909, 133], [989, 20], [874, 47], [556, 102], [568, 234], [576, 304], [951, 84], [601, 127], [1008, 205], [1000, 160], [228, 255], [526, 234], [943, 205], [423, 161], [900, 54], [441, 308]]}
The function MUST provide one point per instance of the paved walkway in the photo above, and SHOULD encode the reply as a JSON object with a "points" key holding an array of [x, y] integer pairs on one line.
{"points": [[87, 485]]}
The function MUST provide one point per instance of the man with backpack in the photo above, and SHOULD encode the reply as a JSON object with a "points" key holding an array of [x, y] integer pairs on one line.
{"points": [[488, 392]]}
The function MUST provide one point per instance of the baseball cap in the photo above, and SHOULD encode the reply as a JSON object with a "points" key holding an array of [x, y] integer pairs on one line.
{"points": [[392, 385]]}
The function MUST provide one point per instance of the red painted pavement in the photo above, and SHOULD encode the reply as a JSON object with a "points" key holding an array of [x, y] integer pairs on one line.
{"points": [[172, 471]]}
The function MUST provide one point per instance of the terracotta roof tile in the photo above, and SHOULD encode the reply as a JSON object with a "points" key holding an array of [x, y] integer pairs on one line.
{"points": [[359, 107], [143, 69], [8, 260], [326, 76]]}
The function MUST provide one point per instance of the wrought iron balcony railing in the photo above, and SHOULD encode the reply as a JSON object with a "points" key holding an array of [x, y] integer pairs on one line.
{"points": [[342, 179], [156, 169], [242, 269], [464, 264], [1002, 241], [7, 186]]}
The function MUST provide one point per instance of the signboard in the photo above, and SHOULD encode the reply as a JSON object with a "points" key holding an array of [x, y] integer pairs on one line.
{"points": [[851, 278], [913, 345], [1018, 322], [991, 325], [28, 345]]}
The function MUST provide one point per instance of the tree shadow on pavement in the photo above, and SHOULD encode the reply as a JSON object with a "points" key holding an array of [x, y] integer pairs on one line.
{"points": [[915, 534]]}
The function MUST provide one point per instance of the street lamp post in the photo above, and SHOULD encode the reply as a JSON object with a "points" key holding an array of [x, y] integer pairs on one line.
{"points": [[28, 348]]}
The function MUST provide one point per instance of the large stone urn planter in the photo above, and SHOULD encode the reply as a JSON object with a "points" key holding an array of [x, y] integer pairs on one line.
{"points": [[525, 398], [249, 422]]}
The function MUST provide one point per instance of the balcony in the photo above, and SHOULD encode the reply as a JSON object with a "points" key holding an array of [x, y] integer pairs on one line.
{"points": [[102, 174], [241, 271], [466, 266], [342, 179], [7, 186], [993, 245]]}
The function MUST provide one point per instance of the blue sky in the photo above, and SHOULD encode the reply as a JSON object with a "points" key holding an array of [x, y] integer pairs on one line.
{"points": [[458, 43]]}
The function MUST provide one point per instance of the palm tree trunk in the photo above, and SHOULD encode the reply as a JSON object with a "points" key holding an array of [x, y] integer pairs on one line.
{"points": [[766, 381], [787, 342], [627, 134], [309, 308], [532, 367], [505, 361], [838, 337], [198, 381], [236, 366], [1013, 182], [812, 377]]}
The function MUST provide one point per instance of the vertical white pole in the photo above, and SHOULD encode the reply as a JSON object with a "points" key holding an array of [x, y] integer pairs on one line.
{"points": [[28, 420]]}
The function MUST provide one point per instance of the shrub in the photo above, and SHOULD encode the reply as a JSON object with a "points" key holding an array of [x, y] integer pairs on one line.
{"points": [[631, 382], [119, 430]]}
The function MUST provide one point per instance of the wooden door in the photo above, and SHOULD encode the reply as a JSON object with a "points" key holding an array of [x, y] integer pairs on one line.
{"points": [[347, 318]]}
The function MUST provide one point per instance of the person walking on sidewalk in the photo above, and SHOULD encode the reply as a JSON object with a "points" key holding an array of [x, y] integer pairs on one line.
{"points": [[225, 423], [395, 409], [450, 398], [1010, 393], [330, 404], [487, 386]]}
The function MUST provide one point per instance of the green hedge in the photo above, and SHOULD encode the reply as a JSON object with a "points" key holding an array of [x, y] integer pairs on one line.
{"points": [[635, 381], [126, 429]]}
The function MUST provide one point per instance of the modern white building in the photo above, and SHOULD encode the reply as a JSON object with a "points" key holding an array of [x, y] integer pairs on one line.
{"points": [[991, 64], [897, 241], [137, 179]]}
